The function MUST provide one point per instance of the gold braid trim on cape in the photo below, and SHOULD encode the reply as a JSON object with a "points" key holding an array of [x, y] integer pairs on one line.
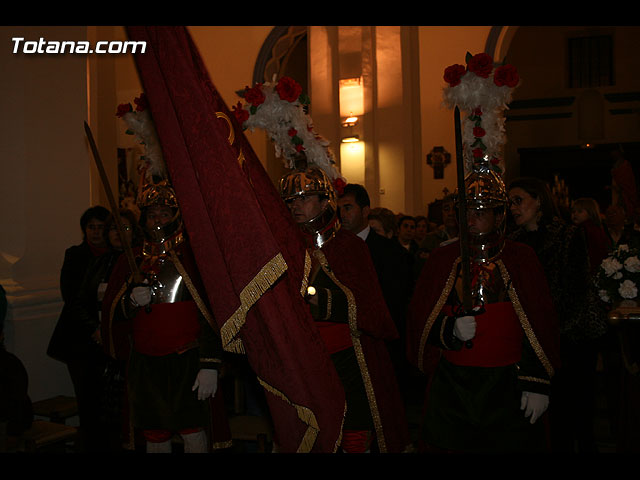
{"points": [[250, 294], [513, 296], [307, 417], [436, 311], [192, 290], [307, 271], [355, 334], [524, 320]]}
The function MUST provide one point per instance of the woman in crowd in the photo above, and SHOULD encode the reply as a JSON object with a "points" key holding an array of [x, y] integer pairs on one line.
{"points": [[383, 221], [88, 365], [562, 251], [76, 261]]}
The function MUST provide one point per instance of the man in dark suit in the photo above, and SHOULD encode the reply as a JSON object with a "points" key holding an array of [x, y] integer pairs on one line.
{"points": [[391, 262]]}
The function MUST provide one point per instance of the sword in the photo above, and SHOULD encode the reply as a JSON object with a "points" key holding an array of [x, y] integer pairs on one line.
{"points": [[463, 228], [138, 277]]}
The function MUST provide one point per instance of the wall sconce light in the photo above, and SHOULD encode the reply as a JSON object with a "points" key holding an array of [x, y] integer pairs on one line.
{"points": [[352, 159], [351, 139], [351, 93], [350, 121]]}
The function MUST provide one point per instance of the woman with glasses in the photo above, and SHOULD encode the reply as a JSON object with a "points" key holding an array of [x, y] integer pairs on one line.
{"points": [[562, 251]]}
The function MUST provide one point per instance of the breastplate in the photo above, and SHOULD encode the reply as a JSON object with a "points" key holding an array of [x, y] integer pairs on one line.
{"points": [[167, 286], [487, 285]]}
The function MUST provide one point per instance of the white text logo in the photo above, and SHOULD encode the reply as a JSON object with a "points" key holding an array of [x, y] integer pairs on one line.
{"points": [[20, 45]]}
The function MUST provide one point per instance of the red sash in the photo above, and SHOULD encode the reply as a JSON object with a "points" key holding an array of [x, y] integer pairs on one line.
{"points": [[168, 328], [336, 336], [498, 340]]}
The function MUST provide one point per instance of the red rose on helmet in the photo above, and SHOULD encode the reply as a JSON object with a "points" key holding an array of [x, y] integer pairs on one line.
{"points": [[506, 75], [453, 74], [288, 89], [255, 95], [338, 185], [481, 64], [478, 132], [478, 152]]}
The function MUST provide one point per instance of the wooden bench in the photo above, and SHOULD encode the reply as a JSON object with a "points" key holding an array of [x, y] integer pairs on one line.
{"points": [[57, 409], [43, 436]]}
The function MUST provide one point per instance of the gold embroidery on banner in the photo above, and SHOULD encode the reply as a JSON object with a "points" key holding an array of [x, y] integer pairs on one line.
{"points": [[249, 295], [241, 158], [524, 320], [436, 311], [355, 334], [228, 120]]}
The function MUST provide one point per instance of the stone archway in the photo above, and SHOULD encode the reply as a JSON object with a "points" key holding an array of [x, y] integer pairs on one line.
{"points": [[499, 41]]}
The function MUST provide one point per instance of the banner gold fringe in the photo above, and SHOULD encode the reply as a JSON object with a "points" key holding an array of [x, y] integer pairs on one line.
{"points": [[250, 294], [307, 417]]}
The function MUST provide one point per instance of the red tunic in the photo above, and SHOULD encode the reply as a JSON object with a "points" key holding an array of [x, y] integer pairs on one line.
{"points": [[537, 315]]}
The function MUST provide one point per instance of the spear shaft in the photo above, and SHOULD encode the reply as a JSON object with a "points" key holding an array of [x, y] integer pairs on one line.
{"points": [[137, 275], [463, 227]]}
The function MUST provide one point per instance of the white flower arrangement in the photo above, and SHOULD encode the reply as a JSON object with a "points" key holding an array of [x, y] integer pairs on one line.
{"points": [[618, 277]]}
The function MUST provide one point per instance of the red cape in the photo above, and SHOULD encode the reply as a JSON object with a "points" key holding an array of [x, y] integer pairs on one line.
{"points": [[528, 280], [349, 258], [250, 253]]}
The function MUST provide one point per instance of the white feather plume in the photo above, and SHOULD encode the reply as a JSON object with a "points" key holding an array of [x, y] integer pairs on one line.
{"points": [[277, 117]]}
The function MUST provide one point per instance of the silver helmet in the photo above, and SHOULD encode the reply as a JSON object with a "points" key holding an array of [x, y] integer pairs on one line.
{"points": [[484, 189], [160, 194], [313, 181]]}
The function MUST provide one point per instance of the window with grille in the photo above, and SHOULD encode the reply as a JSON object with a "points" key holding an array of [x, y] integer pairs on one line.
{"points": [[590, 61]]}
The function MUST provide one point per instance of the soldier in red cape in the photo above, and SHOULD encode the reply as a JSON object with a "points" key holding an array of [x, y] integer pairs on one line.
{"points": [[349, 310], [489, 369], [162, 333]]}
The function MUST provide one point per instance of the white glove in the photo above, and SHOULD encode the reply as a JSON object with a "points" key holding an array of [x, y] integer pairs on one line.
{"points": [[534, 405], [141, 296], [464, 328], [206, 383]]}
